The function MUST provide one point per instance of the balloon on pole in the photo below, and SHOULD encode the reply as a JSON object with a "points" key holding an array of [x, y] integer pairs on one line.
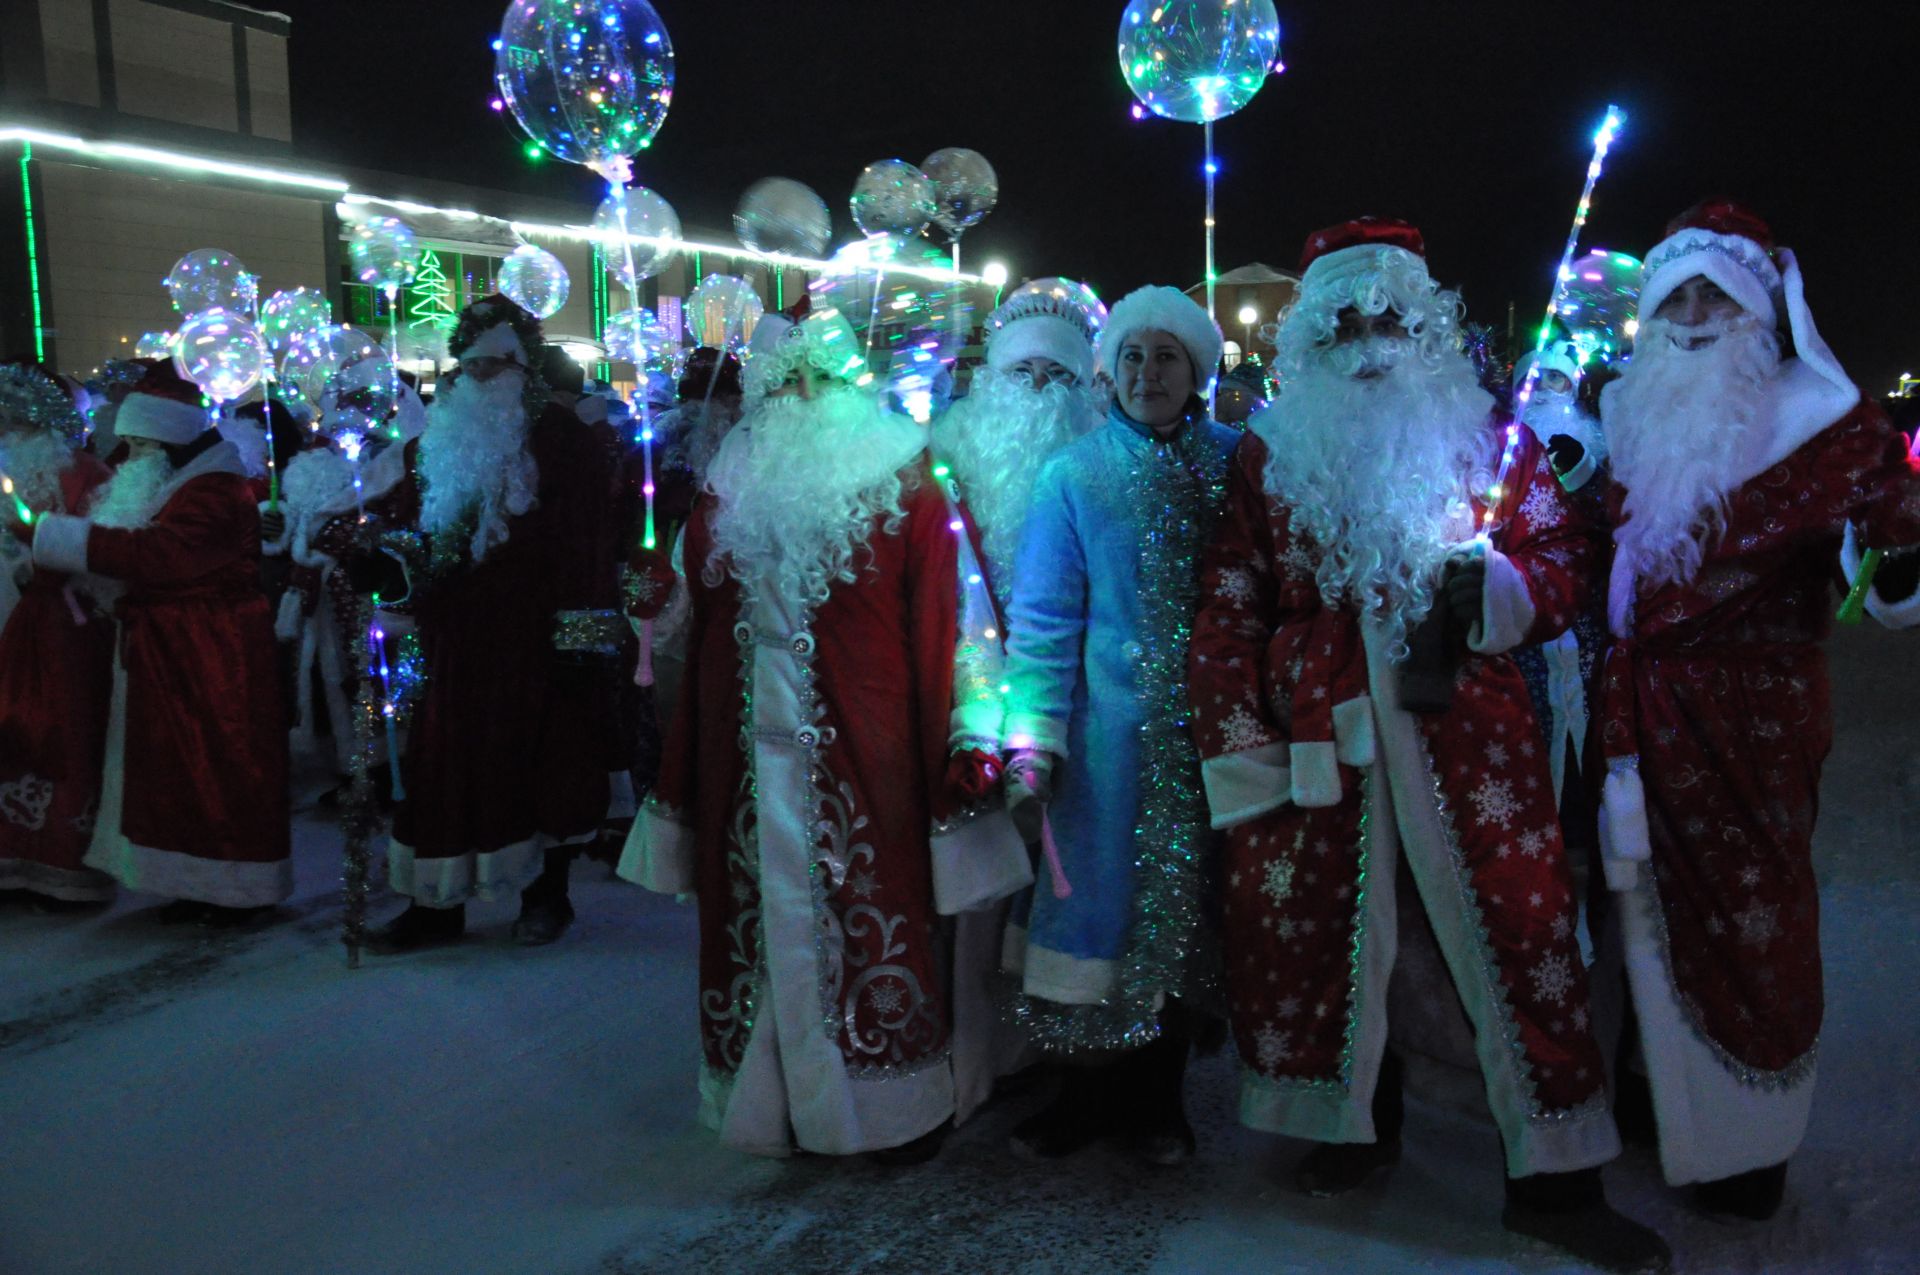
{"points": [[965, 190], [384, 253], [535, 280], [782, 216], [211, 279], [288, 315], [589, 80], [155, 345], [222, 353], [637, 230], [722, 311], [892, 197], [1199, 61]]}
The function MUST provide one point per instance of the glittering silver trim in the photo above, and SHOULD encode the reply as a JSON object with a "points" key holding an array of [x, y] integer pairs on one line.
{"points": [[589, 632], [1487, 963]]}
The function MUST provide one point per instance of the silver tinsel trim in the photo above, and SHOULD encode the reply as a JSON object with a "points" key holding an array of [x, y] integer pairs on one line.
{"points": [[589, 632]]}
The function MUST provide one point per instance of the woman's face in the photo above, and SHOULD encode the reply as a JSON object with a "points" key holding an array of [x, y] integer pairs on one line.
{"points": [[1154, 378]]}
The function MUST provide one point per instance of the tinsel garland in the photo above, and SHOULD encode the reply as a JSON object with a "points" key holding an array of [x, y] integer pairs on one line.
{"points": [[360, 820], [1179, 486], [1483, 347], [29, 400]]}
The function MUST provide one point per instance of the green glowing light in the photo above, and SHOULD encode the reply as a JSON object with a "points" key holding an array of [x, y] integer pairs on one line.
{"points": [[33, 258]]}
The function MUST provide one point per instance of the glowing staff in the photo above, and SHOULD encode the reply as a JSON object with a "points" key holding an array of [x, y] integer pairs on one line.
{"points": [[617, 187], [266, 413], [1602, 141], [20, 506]]}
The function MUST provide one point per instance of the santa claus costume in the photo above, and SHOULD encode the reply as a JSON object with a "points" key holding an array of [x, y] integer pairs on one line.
{"points": [[1349, 532], [1034, 395], [824, 791], [193, 805], [1120, 949], [56, 657], [1745, 458], [513, 586]]}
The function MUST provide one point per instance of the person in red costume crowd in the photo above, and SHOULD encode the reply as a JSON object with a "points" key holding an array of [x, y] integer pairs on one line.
{"points": [[823, 795], [512, 583], [1366, 735], [193, 802], [1744, 459], [56, 659]]}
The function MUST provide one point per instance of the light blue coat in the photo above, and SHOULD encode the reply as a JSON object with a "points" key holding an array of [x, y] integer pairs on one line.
{"points": [[1105, 588]]}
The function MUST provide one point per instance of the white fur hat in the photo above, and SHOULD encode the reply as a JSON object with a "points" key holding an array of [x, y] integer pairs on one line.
{"points": [[1161, 309]]}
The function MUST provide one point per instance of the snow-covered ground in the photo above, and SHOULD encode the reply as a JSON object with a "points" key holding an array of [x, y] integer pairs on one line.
{"points": [[176, 1103]]}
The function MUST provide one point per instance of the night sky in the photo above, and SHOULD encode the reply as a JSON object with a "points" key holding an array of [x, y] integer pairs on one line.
{"points": [[1472, 120]]}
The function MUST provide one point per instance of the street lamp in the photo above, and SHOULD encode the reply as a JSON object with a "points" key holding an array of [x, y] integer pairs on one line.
{"points": [[995, 277], [1248, 317]]}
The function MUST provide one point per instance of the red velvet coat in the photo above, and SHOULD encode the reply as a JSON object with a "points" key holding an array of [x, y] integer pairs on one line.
{"points": [[56, 681], [1722, 693], [1271, 668], [205, 813], [512, 740], [881, 655]]}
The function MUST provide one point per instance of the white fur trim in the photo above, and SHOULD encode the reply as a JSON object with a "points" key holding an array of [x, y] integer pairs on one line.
{"points": [[1711, 1124], [1738, 264], [1245, 785], [659, 853], [60, 542], [1066, 979], [175, 874], [1903, 614], [1031, 730], [447, 881], [1316, 774], [291, 617], [1625, 839], [160, 419], [1353, 741], [980, 861], [499, 342], [1506, 608], [1162, 309], [1041, 336], [1580, 475]]}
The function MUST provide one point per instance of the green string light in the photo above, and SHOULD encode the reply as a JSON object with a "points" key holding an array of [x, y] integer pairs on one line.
{"points": [[33, 257]]}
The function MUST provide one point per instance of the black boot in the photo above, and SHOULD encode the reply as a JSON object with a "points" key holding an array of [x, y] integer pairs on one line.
{"points": [[1156, 1076], [215, 917], [1335, 1168], [1753, 1196], [1633, 1110], [545, 910], [1570, 1212], [1079, 1115], [419, 927]]}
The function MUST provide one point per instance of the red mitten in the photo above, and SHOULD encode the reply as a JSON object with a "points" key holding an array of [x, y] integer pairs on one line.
{"points": [[972, 775], [650, 583]]}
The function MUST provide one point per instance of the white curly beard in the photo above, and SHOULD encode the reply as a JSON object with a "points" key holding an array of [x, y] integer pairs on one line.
{"points": [[1378, 474], [131, 497], [1677, 421], [996, 439], [35, 460], [800, 484], [473, 460]]}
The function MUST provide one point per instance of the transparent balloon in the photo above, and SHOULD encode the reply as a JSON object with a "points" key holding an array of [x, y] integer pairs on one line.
{"points": [[1066, 297], [637, 336], [901, 300], [778, 214], [1198, 60], [222, 353], [210, 279], [358, 398], [384, 253], [637, 219], [312, 360], [722, 310], [965, 188], [1597, 300], [155, 345], [892, 197], [535, 280], [589, 80], [293, 313]]}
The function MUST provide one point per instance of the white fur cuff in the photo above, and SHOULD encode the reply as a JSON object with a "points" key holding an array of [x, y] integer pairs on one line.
{"points": [[1030, 730], [1506, 608], [1245, 785], [1316, 774], [60, 542], [979, 861], [1580, 475], [1626, 841], [1903, 614], [1353, 731], [658, 853]]}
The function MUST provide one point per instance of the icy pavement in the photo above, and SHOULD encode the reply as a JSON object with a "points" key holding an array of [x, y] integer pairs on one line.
{"points": [[176, 1103]]}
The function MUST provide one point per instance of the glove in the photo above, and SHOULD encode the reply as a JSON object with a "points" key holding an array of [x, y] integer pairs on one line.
{"points": [[972, 775], [22, 529], [1463, 588], [273, 525], [1566, 453], [1029, 786]]}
